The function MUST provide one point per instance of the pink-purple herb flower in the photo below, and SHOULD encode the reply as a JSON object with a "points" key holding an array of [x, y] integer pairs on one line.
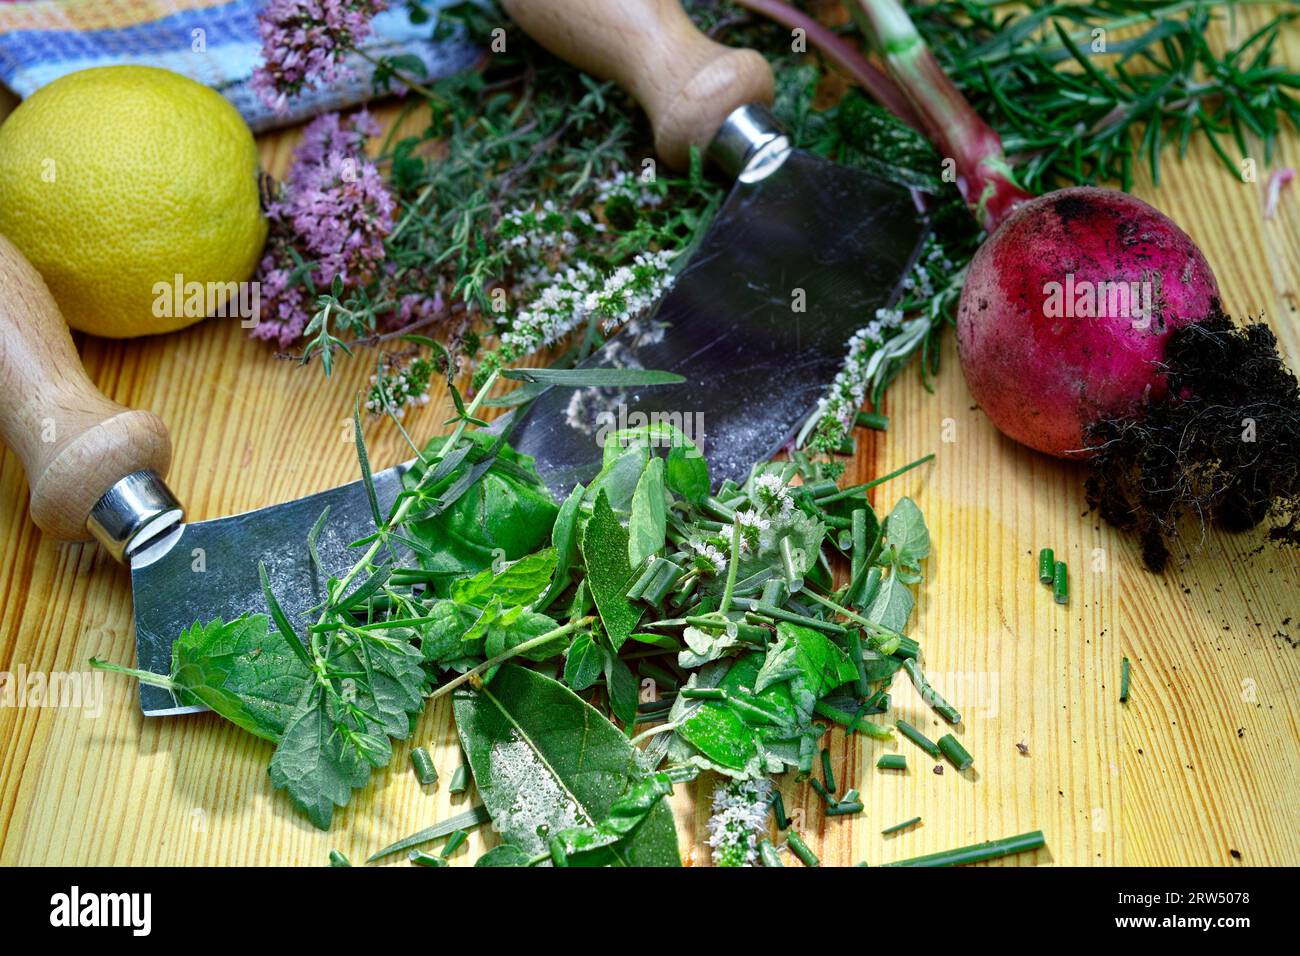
{"points": [[334, 212], [305, 42]]}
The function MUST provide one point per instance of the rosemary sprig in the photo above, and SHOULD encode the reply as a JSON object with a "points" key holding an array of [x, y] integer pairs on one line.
{"points": [[1083, 92]]}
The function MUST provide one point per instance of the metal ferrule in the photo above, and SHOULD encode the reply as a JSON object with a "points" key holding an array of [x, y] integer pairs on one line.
{"points": [[750, 144], [135, 511]]}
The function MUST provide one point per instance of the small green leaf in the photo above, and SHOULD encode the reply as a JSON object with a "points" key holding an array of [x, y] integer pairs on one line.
{"points": [[604, 550], [521, 582], [583, 662], [688, 473], [649, 523]]}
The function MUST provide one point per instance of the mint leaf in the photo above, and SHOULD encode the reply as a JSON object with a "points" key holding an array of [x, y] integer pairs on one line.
{"points": [[341, 729], [907, 537], [519, 583], [604, 550], [242, 672], [583, 662]]}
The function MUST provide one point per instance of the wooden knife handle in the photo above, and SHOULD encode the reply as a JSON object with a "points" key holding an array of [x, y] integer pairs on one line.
{"points": [[74, 443], [686, 83]]}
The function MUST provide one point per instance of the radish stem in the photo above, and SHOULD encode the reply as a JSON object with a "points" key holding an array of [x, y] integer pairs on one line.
{"points": [[983, 174]]}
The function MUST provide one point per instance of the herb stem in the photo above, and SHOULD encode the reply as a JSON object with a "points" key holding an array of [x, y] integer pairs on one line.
{"points": [[865, 486], [979, 852], [515, 651]]}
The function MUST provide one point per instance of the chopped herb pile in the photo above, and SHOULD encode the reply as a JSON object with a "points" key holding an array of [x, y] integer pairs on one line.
{"points": [[650, 625]]}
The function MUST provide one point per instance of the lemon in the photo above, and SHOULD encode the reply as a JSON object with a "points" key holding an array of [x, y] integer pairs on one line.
{"points": [[124, 183]]}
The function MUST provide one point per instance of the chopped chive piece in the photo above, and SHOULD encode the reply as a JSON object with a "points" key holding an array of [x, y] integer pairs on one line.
{"points": [[828, 774], [420, 858], [849, 797], [777, 614], [1123, 681], [908, 648], [1061, 584], [1046, 566], [900, 826], [873, 420], [844, 808], [703, 693], [774, 592], [454, 843], [957, 755], [459, 780], [852, 721], [891, 762], [643, 580], [855, 656], [778, 811], [807, 747], [979, 851], [931, 696], [767, 853], [338, 859], [801, 850], [821, 790], [425, 771], [918, 738]]}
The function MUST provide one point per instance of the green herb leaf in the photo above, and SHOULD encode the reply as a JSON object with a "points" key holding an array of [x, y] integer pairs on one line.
{"points": [[583, 662], [520, 582], [526, 731], [593, 377], [604, 550], [649, 523], [688, 473], [240, 671]]}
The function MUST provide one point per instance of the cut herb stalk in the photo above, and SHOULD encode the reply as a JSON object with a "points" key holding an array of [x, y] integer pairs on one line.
{"points": [[900, 826], [957, 755], [801, 850], [979, 852], [918, 738], [929, 694], [768, 854], [425, 771], [778, 810], [1046, 566], [338, 859], [844, 808], [828, 774], [459, 780], [1123, 681], [891, 762], [1061, 584]]}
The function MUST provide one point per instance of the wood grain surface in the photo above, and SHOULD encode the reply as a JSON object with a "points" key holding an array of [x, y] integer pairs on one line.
{"points": [[1201, 765]]}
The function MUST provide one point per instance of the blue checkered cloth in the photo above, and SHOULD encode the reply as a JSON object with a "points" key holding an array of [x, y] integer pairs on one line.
{"points": [[229, 50]]}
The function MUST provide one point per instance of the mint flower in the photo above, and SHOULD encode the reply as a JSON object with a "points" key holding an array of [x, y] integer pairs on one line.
{"points": [[740, 809]]}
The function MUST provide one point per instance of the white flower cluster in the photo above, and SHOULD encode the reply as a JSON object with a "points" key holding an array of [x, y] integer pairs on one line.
{"points": [[576, 293], [752, 525], [392, 393], [623, 183], [707, 555], [772, 494], [539, 231], [740, 809]]}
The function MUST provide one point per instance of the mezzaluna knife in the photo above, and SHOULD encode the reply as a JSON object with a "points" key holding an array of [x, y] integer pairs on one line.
{"points": [[801, 254]]}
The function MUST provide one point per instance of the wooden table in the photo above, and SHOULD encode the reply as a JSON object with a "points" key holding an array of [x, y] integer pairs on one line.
{"points": [[1200, 767]]}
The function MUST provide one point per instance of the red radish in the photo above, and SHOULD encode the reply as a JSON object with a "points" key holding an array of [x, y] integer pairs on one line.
{"points": [[1067, 309], [1077, 314]]}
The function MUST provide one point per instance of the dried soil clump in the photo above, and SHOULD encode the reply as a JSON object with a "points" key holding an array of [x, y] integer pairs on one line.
{"points": [[1222, 446]]}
